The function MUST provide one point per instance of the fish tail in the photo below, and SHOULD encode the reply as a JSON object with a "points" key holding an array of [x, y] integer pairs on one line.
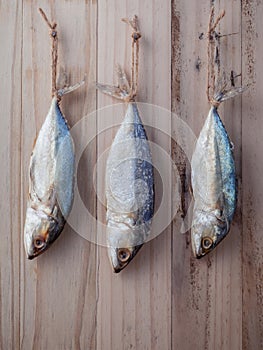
{"points": [[224, 95], [68, 89], [113, 91]]}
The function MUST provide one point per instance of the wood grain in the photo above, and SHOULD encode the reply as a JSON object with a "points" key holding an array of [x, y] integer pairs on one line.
{"points": [[10, 124], [69, 298], [252, 32], [134, 306], [207, 293], [58, 290]]}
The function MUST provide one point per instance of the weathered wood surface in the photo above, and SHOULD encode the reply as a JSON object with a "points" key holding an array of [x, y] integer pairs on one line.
{"points": [[57, 291], [10, 130], [207, 293], [165, 299], [133, 311], [252, 257]]}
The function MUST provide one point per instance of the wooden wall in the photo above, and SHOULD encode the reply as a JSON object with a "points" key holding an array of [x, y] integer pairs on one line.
{"points": [[69, 298]]}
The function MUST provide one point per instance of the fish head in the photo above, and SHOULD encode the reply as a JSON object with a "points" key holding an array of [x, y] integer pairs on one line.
{"points": [[207, 231], [41, 230], [120, 257], [124, 241]]}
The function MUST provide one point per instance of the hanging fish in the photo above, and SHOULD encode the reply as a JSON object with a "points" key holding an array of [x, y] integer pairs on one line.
{"points": [[213, 183], [129, 173], [51, 173], [213, 167]]}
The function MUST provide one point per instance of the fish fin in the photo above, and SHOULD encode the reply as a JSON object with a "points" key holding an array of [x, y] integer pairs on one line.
{"points": [[68, 89], [54, 211], [219, 208], [113, 91], [223, 219], [190, 189], [122, 78]]}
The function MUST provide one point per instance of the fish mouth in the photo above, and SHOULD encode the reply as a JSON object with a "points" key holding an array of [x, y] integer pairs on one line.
{"points": [[117, 268], [31, 257], [36, 254], [201, 255]]}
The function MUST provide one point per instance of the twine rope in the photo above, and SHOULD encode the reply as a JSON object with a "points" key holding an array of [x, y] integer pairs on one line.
{"points": [[136, 35], [54, 52], [211, 75]]}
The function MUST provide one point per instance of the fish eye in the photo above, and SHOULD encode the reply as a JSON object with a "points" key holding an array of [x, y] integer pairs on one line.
{"points": [[124, 254], [39, 242], [207, 242]]}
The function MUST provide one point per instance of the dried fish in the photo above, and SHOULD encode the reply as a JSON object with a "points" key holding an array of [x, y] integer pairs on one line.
{"points": [[51, 173], [213, 184], [129, 173], [129, 190], [213, 167], [51, 182]]}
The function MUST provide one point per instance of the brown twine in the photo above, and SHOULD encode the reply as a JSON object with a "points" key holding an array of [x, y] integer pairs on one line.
{"points": [[211, 76], [136, 35], [54, 52]]}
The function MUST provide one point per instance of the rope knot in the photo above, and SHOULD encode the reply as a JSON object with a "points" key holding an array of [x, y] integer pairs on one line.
{"points": [[130, 98], [215, 103], [136, 36], [127, 90]]}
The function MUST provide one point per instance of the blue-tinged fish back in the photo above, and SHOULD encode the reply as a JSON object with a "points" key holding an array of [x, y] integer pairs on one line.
{"points": [[143, 168], [62, 129], [227, 166], [139, 131]]}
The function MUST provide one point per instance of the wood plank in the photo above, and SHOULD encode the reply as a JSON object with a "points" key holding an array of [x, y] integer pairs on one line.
{"points": [[134, 306], [252, 51], [207, 293], [10, 125], [165, 299], [58, 289]]}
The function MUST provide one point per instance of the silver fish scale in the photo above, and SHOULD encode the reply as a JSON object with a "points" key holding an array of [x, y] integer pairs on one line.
{"points": [[213, 182], [129, 184], [52, 160], [213, 168], [51, 183]]}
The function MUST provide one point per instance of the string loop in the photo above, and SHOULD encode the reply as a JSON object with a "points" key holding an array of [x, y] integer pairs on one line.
{"points": [[136, 35]]}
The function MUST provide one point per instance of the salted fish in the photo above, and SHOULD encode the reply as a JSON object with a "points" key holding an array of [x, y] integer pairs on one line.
{"points": [[51, 183], [129, 190], [213, 182]]}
